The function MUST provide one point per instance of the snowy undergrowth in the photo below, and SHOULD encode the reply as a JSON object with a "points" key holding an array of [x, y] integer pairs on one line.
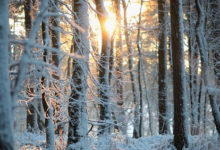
{"points": [[29, 141], [36, 141]]}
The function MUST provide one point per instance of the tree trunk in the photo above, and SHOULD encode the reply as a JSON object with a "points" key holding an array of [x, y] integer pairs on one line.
{"points": [[179, 83], [31, 121], [162, 72], [104, 96], [140, 63], [193, 72], [46, 101], [55, 42], [205, 62], [120, 112], [78, 123], [132, 73], [6, 130]]}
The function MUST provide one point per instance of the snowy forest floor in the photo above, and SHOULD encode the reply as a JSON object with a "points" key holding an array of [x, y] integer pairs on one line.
{"points": [[30, 141]]}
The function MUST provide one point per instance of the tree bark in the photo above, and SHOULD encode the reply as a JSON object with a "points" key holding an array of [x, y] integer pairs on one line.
{"points": [[162, 72], [6, 130], [104, 96], [78, 123], [31, 121], [179, 83]]}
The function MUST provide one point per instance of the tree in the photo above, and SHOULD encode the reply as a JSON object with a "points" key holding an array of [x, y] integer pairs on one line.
{"points": [[6, 131], [119, 67], [104, 93], [215, 16], [78, 123], [55, 42], [193, 56], [202, 44], [32, 120], [215, 7], [162, 62], [132, 73], [46, 100], [140, 63], [179, 83]]}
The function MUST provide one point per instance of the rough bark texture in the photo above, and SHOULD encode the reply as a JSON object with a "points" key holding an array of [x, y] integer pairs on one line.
{"points": [[162, 72], [179, 85], [132, 73], [104, 96], [6, 131], [77, 134]]}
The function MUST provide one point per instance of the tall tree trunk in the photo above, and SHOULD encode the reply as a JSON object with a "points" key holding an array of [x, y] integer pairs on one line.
{"points": [[31, 121], [205, 62], [78, 123], [162, 72], [132, 73], [140, 63], [55, 41], [193, 72], [119, 68], [6, 130], [104, 96], [46, 101], [179, 82]]}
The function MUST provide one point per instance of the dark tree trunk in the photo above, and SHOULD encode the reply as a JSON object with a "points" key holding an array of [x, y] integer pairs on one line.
{"points": [[111, 59], [31, 120], [78, 123], [28, 18], [140, 63], [162, 72], [55, 35], [179, 83]]}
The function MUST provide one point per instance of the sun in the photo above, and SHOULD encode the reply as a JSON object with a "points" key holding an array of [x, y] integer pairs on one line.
{"points": [[110, 25]]}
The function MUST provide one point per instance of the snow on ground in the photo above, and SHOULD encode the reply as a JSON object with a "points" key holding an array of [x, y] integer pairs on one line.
{"points": [[29, 141]]}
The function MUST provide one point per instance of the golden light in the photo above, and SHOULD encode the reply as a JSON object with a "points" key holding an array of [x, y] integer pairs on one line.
{"points": [[110, 24]]}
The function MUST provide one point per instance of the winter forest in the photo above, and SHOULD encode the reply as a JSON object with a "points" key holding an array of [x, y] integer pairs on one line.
{"points": [[109, 74]]}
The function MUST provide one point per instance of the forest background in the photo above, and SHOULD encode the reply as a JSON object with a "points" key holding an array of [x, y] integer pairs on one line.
{"points": [[109, 74]]}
